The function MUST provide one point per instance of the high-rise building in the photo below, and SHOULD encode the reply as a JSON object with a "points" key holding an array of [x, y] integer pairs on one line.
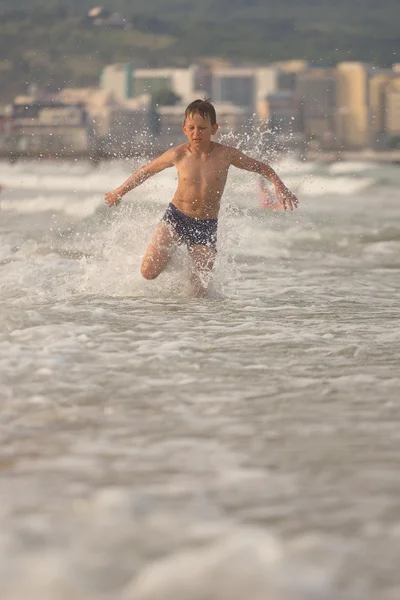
{"points": [[352, 104], [392, 106], [243, 86], [377, 106], [316, 98], [117, 79], [288, 73], [126, 81]]}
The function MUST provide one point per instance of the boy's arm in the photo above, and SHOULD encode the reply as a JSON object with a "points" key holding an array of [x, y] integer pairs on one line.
{"points": [[242, 161], [141, 175]]}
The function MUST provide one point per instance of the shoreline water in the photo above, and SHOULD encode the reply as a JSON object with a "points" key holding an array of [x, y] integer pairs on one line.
{"points": [[96, 156], [229, 447], [381, 156]]}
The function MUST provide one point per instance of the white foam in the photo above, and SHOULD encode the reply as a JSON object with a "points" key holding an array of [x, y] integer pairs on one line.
{"points": [[345, 186], [76, 207], [242, 564], [349, 167]]}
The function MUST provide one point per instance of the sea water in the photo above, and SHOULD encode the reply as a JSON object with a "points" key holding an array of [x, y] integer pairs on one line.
{"points": [[240, 447]]}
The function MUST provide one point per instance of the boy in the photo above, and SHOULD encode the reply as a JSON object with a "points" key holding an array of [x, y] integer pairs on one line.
{"points": [[192, 216]]}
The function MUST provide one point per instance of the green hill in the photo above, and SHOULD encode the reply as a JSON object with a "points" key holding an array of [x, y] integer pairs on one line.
{"points": [[47, 41]]}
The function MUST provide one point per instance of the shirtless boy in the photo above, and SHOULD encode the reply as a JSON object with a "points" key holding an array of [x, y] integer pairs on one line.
{"points": [[192, 216]]}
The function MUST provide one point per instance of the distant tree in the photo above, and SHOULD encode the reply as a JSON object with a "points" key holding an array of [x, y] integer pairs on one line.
{"points": [[55, 43], [165, 97], [394, 143], [149, 23]]}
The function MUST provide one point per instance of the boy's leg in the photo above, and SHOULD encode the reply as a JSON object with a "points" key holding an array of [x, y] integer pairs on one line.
{"points": [[159, 251], [203, 258]]}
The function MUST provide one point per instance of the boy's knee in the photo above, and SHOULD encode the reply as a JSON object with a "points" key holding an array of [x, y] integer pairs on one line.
{"points": [[148, 272]]}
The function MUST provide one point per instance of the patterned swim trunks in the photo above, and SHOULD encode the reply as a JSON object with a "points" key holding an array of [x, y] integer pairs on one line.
{"points": [[192, 231]]}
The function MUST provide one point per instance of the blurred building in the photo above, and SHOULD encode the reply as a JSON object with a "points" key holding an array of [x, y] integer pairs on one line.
{"points": [[293, 65], [6, 122], [6, 127], [392, 110], [367, 109], [49, 125], [99, 105], [243, 86], [125, 81], [115, 124], [377, 94], [352, 105], [316, 101], [241, 93], [132, 125], [277, 113], [377, 106], [281, 112], [288, 73]]}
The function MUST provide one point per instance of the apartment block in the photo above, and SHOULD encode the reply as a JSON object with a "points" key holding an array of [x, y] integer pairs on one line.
{"points": [[126, 81], [316, 99], [243, 86], [131, 125], [352, 105], [280, 112], [98, 103], [377, 104], [392, 108], [45, 125]]}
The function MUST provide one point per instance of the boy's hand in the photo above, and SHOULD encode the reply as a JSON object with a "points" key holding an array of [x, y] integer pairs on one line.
{"points": [[286, 198], [112, 198]]}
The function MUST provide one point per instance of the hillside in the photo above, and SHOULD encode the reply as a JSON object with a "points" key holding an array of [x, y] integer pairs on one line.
{"points": [[45, 41]]}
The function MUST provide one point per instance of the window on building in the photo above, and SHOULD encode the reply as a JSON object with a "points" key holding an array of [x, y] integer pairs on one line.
{"points": [[21, 111], [287, 81], [237, 90]]}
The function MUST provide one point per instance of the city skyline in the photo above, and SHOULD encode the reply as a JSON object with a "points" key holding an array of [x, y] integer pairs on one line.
{"points": [[297, 107]]}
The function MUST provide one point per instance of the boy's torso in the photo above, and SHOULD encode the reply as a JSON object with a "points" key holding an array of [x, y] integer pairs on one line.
{"points": [[201, 181]]}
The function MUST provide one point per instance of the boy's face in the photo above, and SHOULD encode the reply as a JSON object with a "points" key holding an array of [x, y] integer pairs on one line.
{"points": [[199, 130]]}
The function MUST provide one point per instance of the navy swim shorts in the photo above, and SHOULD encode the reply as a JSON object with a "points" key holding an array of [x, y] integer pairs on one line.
{"points": [[192, 231]]}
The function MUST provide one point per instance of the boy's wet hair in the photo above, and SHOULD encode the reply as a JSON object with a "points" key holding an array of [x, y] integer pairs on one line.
{"points": [[204, 108]]}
